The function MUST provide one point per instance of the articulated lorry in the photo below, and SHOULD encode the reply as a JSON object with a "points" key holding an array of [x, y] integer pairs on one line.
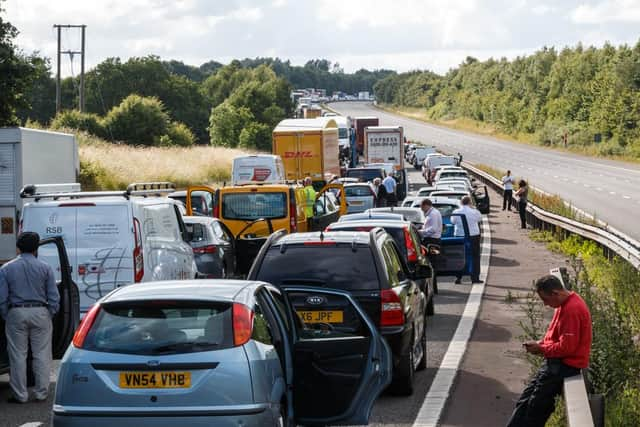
{"points": [[30, 156], [308, 147], [360, 124]]}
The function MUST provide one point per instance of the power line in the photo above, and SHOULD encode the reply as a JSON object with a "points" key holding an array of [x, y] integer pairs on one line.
{"points": [[71, 53]]}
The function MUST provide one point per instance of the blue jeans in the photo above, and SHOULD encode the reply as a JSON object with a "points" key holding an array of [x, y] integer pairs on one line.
{"points": [[537, 401]]}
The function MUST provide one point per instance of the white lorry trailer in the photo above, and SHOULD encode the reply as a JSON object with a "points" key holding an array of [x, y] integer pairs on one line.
{"points": [[384, 144], [29, 156]]}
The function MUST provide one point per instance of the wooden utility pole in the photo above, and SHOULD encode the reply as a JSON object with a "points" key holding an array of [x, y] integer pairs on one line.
{"points": [[71, 53]]}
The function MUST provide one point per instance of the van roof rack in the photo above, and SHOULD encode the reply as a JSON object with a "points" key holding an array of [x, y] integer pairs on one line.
{"points": [[34, 191]]}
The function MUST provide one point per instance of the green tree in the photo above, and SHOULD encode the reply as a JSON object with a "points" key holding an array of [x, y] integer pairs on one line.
{"points": [[226, 124], [74, 119], [256, 136], [137, 121]]}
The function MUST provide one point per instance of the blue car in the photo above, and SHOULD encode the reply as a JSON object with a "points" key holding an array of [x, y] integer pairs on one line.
{"points": [[219, 352]]}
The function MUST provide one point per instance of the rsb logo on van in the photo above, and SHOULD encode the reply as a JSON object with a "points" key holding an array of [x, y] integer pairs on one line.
{"points": [[52, 228], [294, 154]]}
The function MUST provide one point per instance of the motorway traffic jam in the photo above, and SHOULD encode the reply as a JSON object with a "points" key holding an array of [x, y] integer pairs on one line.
{"points": [[308, 279]]}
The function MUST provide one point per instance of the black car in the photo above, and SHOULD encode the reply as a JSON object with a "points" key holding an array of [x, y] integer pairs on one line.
{"points": [[370, 266], [213, 247], [68, 316], [407, 239]]}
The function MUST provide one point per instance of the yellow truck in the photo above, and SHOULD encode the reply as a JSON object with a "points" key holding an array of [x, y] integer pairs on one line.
{"points": [[308, 147]]}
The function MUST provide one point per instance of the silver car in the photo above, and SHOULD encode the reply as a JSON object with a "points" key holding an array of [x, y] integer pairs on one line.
{"points": [[220, 353], [360, 197]]}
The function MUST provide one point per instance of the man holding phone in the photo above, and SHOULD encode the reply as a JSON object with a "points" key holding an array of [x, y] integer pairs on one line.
{"points": [[566, 347]]}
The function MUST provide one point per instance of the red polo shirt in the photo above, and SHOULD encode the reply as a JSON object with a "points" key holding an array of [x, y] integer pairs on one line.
{"points": [[569, 334]]}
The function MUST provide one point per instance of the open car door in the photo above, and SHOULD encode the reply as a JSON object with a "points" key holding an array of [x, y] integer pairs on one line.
{"points": [[328, 208], [248, 243], [200, 200], [455, 251], [481, 198], [341, 363]]}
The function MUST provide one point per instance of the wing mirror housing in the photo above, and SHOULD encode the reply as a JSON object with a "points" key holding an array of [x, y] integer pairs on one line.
{"points": [[423, 271]]}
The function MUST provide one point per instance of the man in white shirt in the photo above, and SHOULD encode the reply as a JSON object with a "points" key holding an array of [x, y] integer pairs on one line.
{"points": [[473, 217], [507, 182], [431, 231], [390, 185]]}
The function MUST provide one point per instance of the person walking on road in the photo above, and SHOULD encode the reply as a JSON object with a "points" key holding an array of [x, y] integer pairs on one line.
{"points": [[390, 185], [473, 217], [507, 182], [565, 347], [522, 195], [28, 301], [309, 198], [431, 231]]}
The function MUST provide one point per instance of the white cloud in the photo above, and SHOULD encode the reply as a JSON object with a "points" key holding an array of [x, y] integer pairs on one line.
{"points": [[607, 12]]}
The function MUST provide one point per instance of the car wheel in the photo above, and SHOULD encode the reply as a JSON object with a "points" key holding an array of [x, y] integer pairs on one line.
{"points": [[423, 343], [404, 385], [430, 307]]}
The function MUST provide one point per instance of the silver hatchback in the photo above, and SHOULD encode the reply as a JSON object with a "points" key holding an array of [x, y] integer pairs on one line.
{"points": [[219, 352]]}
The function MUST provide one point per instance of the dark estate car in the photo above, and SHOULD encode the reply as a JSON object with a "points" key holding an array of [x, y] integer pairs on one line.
{"points": [[213, 247], [369, 266]]}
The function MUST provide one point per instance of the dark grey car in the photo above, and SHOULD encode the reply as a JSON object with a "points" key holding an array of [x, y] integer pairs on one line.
{"points": [[213, 247]]}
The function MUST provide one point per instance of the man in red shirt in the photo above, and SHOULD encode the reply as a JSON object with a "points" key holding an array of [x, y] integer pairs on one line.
{"points": [[565, 347]]}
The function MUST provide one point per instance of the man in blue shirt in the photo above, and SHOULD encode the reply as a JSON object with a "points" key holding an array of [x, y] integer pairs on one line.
{"points": [[29, 299], [390, 185]]}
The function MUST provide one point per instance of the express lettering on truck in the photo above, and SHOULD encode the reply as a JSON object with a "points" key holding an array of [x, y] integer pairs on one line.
{"points": [[294, 154]]}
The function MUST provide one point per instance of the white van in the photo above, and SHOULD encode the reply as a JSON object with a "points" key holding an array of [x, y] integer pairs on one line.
{"points": [[343, 131], [256, 169], [432, 161], [113, 238]]}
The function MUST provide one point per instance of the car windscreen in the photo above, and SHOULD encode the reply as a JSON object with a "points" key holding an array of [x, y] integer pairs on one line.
{"points": [[160, 328], [343, 133], [364, 174], [326, 265], [358, 191], [254, 205]]}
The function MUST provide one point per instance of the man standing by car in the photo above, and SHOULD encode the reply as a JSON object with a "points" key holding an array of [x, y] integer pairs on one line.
{"points": [[309, 197], [390, 185], [507, 182], [28, 301], [473, 217], [566, 347], [431, 231]]}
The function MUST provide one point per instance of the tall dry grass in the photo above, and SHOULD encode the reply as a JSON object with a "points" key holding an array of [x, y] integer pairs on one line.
{"points": [[108, 166]]}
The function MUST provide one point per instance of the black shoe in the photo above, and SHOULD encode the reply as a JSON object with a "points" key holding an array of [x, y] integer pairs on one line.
{"points": [[457, 282], [476, 281], [14, 400]]}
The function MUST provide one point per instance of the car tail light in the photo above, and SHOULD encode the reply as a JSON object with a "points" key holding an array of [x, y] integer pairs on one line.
{"points": [[206, 250], [85, 326], [138, 258], [293, 225], [242, 324], [412, 255], [391, 311]]}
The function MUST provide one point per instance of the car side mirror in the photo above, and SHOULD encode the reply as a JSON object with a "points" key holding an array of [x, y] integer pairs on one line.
{"points": [[423, 271]]}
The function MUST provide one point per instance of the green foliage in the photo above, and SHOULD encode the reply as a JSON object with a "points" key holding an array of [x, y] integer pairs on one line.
{"points": [[73, 119], [137, 121], [226, 124], [584, 93], [93, 177], [256, 136], [178, 134]]}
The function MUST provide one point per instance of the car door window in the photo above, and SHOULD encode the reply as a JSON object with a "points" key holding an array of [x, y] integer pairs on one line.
{"points": [[392, 263], [261, 329], [278, 301]]}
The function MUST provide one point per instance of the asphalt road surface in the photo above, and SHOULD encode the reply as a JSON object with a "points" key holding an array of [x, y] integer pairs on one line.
{"points": [[605, 188], [389, 410]]}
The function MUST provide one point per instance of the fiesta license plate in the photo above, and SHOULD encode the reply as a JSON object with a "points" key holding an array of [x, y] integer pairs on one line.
{"points": [[328, 316], [155, 379]]}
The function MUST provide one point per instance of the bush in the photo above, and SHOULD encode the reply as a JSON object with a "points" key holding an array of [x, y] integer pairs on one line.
{"points": [[179, 134], [256, 136], [74, 119], [137, 121], [226, 124]]}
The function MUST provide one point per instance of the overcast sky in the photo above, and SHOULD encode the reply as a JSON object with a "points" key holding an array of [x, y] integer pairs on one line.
{"points": [[401, 35]]}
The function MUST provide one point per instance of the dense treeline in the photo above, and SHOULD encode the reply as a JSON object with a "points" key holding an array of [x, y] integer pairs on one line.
{"points": [[589, 94]]}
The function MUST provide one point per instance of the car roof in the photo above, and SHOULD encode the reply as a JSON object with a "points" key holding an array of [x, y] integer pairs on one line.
{"points": [[185, 290], [402, 210], [383, 223], [105, 200], [356, 184], [315, 236], [179, 193], [371, 215], [199, 219]]}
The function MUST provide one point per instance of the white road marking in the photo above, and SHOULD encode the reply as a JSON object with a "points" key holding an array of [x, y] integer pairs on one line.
{"points": [[613, 193], [555, 176], [626, 197], [32, 424], [587, 185], [599, 189], [436, 398]]}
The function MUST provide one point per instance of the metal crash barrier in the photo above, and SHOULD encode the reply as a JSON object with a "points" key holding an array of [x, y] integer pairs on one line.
{"points": [[582, 409]]}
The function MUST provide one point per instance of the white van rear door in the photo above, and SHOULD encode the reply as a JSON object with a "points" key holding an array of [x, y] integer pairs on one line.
{"points": [[104, 251]]}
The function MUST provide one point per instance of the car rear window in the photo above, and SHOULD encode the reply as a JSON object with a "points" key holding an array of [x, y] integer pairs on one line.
{"points": [[331, 266], [157, 328], [358, 191], [251, 206], [364, 174]]}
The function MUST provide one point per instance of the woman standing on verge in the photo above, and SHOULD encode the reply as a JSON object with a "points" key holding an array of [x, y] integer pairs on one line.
{"points": [[522, 194]]}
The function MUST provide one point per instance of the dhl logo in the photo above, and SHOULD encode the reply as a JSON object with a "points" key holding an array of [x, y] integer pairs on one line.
{"points": [[295, 154]]}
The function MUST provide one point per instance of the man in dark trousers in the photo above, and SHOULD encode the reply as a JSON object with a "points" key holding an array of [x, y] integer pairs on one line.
{"points": [[566, 347], [474, 217], [28, 301], [507, 199]]}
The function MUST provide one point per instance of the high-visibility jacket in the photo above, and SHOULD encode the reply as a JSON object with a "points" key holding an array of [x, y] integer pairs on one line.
{"points": [[309, 200]]}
